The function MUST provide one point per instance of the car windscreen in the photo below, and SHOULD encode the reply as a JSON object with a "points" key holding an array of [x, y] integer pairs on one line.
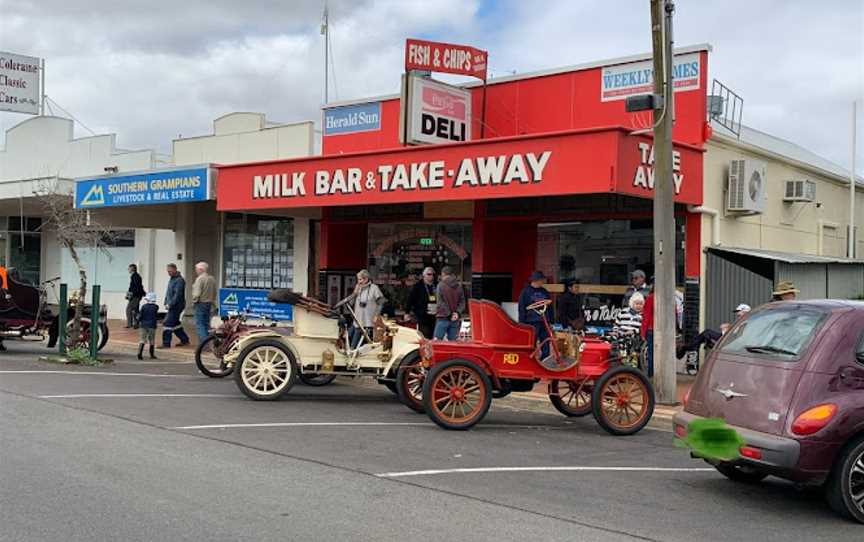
{"points": [[779, 333]]}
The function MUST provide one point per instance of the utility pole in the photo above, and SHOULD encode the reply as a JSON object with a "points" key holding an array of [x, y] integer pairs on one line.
{"points": [[665, 379], [851, 237], [325, 31]]}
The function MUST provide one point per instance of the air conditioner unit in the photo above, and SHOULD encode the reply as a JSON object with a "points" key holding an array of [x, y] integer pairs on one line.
{"points": [[746, 188], [800, 191]]}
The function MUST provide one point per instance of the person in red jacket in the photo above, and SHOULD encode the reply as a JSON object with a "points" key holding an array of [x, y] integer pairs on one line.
{"points": [[647, 331]]}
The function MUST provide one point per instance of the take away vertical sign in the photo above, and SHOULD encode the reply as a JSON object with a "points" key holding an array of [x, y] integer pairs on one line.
{"points": [[445, 58]]}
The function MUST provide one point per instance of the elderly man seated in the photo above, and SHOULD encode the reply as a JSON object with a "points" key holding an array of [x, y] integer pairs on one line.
{"points": [[709, 337]]}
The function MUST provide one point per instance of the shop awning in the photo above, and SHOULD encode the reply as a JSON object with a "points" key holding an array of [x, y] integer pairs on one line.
{"points": [[599, 160], [785, 257]]}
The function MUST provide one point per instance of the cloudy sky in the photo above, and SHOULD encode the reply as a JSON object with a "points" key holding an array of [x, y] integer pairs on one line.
{"points": [[151, 71]]}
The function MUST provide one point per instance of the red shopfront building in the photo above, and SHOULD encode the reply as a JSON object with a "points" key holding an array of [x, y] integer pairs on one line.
{"points": [[561, 180]]}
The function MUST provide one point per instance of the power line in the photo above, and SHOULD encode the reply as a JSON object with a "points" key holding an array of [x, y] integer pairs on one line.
{"points": [[71, 116]]}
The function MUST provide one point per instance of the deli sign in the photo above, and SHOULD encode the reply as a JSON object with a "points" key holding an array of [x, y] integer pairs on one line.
{"points": [[435, 112], [445, 58]]}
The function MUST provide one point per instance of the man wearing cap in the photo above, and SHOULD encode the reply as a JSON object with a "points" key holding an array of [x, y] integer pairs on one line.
{"points": [[786, 291], [532, 293], [637, 284], [709, 337]]}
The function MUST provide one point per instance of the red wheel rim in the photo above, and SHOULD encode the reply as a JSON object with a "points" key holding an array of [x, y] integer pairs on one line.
{"points": [[458, 394], [574, 396], [624, 401]]}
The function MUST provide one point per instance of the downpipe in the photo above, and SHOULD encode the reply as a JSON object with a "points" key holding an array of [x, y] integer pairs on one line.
{"points": [[715, 220]]}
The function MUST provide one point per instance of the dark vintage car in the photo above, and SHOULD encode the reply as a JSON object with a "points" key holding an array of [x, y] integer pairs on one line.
{"points": [[789, 378]]}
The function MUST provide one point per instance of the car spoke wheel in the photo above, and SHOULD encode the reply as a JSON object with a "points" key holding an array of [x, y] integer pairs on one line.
{"points": [[573, 399], [83, 340], [623, 401], [457, 394], [409, 383], [265, 370], [210, 357], [845, 488]]}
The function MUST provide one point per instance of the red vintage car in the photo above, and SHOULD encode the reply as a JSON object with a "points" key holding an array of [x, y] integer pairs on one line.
{"points": [[503, 356]]}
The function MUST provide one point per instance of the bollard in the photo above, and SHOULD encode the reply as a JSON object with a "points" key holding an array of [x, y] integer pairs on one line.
{"points": [[61, 318], [94, 322]]}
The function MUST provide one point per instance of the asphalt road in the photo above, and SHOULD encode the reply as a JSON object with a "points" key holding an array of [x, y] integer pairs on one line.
{"points": [[154, 451]]}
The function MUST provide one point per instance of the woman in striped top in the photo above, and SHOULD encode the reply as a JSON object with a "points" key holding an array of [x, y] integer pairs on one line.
{"points": [[629, 320]]}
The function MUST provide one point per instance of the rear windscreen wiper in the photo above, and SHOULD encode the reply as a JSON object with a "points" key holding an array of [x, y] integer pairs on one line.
{"points": [[767, 348]]}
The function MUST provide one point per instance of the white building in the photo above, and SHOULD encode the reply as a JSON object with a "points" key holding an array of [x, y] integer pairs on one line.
{"points": [[43, 149]]}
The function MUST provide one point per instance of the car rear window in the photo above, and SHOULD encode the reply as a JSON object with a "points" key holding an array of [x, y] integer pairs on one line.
{"points": [[778, 333]]}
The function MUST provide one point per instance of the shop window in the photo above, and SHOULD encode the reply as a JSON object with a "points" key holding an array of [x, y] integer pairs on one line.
{"points": [[31, 224], [399, 252], [601, 252], [107, 268], [25, 254], [258, 252]]}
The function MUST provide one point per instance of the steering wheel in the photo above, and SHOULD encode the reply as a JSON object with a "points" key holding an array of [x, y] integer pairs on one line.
{"points": [[539, 306]]}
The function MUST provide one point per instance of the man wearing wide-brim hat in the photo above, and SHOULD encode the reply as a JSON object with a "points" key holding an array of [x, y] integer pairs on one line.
{"points": [[786, 291]]}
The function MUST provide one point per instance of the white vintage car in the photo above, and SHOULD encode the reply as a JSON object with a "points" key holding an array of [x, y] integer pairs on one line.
{"points": [[268, 361]]}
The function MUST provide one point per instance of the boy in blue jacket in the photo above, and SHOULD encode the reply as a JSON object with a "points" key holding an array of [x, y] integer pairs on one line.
{"points": [[147, 324]]}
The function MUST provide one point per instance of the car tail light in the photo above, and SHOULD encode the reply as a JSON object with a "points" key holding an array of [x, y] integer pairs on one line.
{"points": [[750, 452], [686, 398], [813, 419], [680, 431]]}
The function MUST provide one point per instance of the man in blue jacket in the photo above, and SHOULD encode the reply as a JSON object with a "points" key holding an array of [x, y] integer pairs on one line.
{"points": [[532, 293], [175, 303]]}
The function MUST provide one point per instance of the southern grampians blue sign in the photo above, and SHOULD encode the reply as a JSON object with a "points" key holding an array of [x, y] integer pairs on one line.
{"points": [[145, 188]]}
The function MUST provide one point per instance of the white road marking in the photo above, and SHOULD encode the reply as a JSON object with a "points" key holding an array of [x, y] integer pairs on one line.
{"points": [[133, 395], [538, 469], [350, 424], [94, 373]]}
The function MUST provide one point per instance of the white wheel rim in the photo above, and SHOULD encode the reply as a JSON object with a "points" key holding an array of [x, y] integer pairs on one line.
{"points": [[266, 370], [856, 483]]}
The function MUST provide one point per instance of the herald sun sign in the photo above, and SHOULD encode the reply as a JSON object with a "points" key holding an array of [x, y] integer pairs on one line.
{"points": [[445, 58]]}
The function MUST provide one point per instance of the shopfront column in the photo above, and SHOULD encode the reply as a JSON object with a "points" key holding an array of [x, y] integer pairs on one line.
{"points": [[342, 253], [504, 254]]}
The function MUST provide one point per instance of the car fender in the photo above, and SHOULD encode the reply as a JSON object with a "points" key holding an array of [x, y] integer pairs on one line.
{"points": [[398, 355], [255, 335], [477, 360]]}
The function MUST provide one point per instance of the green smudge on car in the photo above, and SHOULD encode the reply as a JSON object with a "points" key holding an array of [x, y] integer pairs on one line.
{"points": [[712, 439]]}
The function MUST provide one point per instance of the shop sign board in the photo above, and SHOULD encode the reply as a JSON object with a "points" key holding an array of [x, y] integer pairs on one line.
{"points": [[439, 57], [253, 302], [640, 179], [622, 80], [19, 83], [349, 119], [436, 112], [144, 188], [603, 160]]}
